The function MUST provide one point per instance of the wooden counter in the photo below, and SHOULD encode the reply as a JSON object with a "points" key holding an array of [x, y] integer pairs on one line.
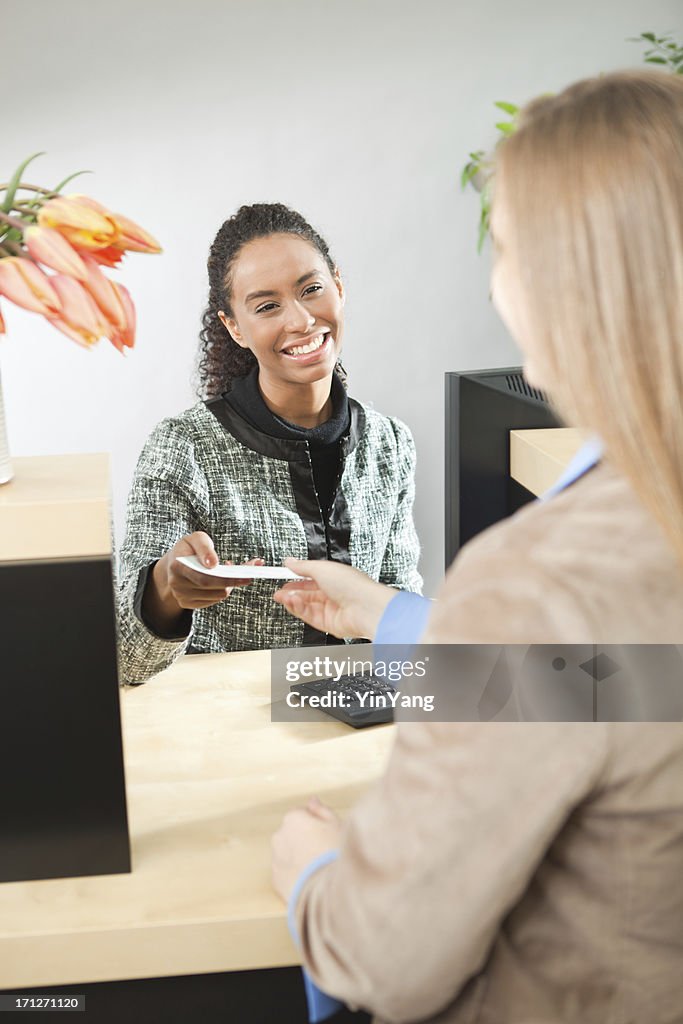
{"points": [[538, 457], [56, 506], [208, 780]]}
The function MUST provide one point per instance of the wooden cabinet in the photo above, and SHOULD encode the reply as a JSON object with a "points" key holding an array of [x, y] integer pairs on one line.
{"points": [[62, 796]]}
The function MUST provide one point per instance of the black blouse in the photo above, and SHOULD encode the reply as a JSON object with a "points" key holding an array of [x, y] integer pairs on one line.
{"points": [[324, 441]]}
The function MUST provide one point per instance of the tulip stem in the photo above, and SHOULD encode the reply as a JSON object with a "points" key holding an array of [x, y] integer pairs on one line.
{"points": [[30, 188], [26, 210], [15, 250], [12, 221]]}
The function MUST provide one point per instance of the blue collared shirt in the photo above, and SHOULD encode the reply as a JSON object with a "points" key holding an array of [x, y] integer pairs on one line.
{"points": [[588, 456], [320, 1005]]}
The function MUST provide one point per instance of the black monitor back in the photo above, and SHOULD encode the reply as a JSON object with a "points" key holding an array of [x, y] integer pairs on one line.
{"points": [[482, 407], [62, 797]]}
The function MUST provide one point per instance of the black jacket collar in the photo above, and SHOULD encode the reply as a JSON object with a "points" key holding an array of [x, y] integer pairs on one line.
{"points": [[287, 449]]}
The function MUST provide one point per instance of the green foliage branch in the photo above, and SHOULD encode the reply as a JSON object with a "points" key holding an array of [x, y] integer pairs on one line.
{"points": [[478, 171]]}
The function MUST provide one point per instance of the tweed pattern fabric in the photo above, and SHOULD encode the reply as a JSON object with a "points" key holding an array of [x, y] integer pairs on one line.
{"points": [[194, 475]]}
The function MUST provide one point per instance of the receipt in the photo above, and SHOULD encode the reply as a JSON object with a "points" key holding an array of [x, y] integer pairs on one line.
{"points": [[240, 572]]}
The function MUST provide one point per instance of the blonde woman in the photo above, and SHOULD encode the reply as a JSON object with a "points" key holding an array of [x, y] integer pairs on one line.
{"points": [[517, 873]]}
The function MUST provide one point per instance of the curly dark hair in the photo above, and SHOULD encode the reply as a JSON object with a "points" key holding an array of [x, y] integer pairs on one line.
{"points": [[222, 360]]}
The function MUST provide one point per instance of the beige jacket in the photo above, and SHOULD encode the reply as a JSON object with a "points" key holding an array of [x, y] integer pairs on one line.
{"points": [[516, 873]]}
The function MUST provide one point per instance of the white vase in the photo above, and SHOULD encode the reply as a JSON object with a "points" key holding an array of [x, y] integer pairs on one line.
{"points": [[6, 473]]}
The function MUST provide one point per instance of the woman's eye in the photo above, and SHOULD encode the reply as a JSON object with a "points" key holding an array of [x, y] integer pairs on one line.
{"points": [[266, 307], [313, 288]]}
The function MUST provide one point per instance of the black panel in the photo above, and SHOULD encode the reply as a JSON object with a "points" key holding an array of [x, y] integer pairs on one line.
{"points": [[62, 796], [482, 407], [242, 997]]}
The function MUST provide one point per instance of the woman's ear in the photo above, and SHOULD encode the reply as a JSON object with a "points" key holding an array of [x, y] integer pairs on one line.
{"points": [[231, 327], [340, 285]]}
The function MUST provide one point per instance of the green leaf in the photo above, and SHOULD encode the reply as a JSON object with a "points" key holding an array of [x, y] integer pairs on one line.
{"points": [[655, 60], [483, 232], [506, 127], [70, 178], [509, 108], [649, 35], [12, 235], [468, 172], [14, 183]]}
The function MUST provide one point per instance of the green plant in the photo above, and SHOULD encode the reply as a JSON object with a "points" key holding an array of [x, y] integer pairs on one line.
{"points": [[478, 170], [663, 50]]}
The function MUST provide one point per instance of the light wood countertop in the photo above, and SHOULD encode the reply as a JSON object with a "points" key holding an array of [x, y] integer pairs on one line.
{"points": [[56, 506], [538, 457], [209, 778]]}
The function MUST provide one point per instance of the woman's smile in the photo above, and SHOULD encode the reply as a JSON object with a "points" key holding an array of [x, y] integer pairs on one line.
{"points": [[314, 346]]}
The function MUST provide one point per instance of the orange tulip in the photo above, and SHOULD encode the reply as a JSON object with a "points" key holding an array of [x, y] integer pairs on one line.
{"points": [[2, 324], [132, 237], [92, 204], [124, 338], [79, 311], [25, 284], [81, 225], [76, 336], [104, 292], [49, 247], [108, 257]]}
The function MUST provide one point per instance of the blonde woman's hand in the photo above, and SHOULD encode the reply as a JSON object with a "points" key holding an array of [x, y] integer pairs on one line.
{"points": [[337, 598], [173, 588], [305, 833]]}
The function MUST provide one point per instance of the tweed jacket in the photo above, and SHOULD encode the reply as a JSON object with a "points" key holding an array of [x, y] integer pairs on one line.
{"points": [[523, 873], [209, 469]]}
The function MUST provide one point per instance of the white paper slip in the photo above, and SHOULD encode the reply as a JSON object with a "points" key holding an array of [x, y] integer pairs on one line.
{"points": [[241, 572]]}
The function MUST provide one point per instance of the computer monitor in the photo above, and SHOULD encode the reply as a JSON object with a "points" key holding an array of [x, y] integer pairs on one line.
{"points": [[482, 407]]}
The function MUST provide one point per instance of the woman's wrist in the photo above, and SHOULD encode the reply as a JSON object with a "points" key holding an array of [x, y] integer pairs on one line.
{"points": [[373, 608], [160, 608]]}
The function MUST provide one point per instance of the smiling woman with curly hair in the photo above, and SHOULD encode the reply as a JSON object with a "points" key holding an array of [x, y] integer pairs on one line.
{"points": [[221, 359], [276, 459]]}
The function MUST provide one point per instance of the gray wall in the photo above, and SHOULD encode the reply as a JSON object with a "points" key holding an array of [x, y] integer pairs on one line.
{"points": [[360, 114]]}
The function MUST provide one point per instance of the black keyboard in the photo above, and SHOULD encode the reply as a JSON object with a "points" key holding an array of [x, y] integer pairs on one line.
{"points": [[356, 700]]}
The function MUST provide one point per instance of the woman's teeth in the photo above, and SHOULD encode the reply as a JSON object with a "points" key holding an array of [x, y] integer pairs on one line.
{"points": [[301, 350]]}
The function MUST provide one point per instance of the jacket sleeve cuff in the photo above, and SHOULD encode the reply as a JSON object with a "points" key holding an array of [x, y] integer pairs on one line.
{"points": [[314, 865], [320, 1005], [185, 626]]}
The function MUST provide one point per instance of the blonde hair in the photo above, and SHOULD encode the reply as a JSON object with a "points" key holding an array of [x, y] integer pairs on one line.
{"points": [[593, 189]]}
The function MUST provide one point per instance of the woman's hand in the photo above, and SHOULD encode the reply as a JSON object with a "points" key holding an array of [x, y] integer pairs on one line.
{"points": [[173, 587], [303, 835], [337, 599]]}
